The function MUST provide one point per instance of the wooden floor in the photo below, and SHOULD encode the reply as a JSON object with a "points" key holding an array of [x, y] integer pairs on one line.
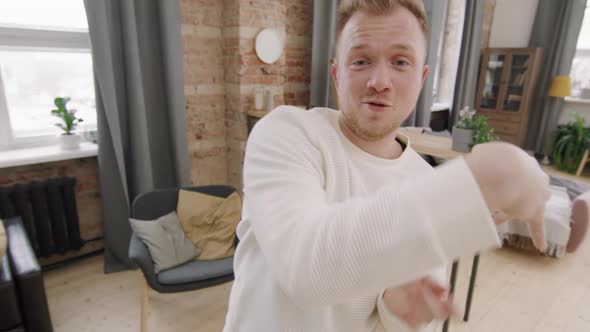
{"points": [[515, 291]]}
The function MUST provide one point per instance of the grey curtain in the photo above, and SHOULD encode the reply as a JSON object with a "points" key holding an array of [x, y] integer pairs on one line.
{"points": [[556, 29], [323, 49], [437, 12], [137, 59], [468, 68]]}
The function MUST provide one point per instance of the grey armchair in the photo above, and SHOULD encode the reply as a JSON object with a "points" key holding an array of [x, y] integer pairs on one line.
{"points": [[192, 275]]}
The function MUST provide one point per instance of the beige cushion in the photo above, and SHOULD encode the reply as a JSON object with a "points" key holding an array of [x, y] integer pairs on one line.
{"points": [[210, 222], [2, 240], [165, 240]]}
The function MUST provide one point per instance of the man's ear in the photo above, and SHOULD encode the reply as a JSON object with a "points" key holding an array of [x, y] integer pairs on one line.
{"points": [[334, 71], [425, 73]]}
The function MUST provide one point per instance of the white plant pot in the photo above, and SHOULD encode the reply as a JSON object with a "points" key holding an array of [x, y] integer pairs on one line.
{"points": [[462, 139], [69, 142]]}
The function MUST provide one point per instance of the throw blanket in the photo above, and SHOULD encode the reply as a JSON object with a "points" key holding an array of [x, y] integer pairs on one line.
{"points": [[557, 219]]}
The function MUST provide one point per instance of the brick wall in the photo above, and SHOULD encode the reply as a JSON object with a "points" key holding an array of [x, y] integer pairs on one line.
{"points": [[221, 68], [201, 27], [299, 29], [85, 171]]}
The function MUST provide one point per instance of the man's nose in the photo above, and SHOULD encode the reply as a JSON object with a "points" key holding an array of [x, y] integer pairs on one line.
{"points": [[380, 79]]}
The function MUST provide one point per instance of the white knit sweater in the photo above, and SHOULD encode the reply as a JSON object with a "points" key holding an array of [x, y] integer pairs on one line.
{"points": [[326, 227]]}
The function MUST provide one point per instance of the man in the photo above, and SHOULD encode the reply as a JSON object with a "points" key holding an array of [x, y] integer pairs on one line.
{"points": [[344, 226]]}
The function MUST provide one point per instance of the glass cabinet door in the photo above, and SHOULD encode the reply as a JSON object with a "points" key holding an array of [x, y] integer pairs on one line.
{"points": [[517, 76], [490, 94]]}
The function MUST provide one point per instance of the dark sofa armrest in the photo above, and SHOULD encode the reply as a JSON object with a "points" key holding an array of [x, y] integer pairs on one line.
{"points": [[10, 316], [23, 259], [28, 277], [140, 255]]}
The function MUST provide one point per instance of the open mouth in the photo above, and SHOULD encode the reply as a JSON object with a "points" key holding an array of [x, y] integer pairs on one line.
{"points": [[377, 105]]}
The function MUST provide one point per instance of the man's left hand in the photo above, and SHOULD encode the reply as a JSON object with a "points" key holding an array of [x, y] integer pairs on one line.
{"points": [[420, 302]]}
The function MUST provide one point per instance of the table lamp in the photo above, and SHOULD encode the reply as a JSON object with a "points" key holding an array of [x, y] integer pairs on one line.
{"points": [[561, 86]]}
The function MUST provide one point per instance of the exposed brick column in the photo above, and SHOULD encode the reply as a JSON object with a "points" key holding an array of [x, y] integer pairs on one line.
{"points": [[298, 51], [222, 71], [245, 72], [204, 89]]}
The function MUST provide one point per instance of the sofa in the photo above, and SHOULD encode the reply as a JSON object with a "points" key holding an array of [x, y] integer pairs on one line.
{"points": [[22, 291]]}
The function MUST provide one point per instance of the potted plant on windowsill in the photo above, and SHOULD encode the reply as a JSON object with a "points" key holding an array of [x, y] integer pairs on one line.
{"points": [[471, 130], [68, 140]]}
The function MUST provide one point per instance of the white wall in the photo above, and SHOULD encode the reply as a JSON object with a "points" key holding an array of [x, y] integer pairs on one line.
{"points": [[569, 107], [513, 22]]}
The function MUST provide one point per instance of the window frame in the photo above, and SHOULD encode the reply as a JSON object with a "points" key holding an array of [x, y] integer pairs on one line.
{"points": [[31, 39], [585, 53]]}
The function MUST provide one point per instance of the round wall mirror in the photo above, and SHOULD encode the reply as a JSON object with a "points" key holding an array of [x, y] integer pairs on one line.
{"points": [[269, 45]]}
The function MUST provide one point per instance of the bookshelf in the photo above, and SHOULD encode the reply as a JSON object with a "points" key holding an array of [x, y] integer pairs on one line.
{"points": [[506, 86]]}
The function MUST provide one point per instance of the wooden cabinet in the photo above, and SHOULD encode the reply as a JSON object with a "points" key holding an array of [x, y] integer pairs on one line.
{"points": [[507, 79]]}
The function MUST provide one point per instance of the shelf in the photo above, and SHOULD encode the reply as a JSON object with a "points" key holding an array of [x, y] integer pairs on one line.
{"points": [[257, 114]]}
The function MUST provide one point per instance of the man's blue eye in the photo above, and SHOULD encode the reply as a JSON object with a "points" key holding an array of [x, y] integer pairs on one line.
{"points": [[400, 63], [359, 63]]}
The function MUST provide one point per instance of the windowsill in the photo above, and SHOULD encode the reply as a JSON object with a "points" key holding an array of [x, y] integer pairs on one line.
{"points": [[577, 100], [437, 107], [45, 154]]}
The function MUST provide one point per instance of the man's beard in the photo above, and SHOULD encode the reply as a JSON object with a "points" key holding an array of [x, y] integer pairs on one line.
{"points": [[371, 135]]}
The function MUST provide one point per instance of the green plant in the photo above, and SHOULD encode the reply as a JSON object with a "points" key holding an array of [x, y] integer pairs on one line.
{"points": [[569, 143], [70, 121], [482, 133]]}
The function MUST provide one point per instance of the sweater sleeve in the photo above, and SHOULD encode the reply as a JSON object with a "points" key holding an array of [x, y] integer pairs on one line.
{"points": [[322, 252]]}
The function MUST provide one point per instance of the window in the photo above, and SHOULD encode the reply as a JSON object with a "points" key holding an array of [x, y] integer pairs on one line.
{"points": [[41, 58], [448, 57], [580, 72]]}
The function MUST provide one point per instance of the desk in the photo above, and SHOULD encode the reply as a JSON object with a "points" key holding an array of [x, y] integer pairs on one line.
{"points": [[432, 145], [440, 147]]}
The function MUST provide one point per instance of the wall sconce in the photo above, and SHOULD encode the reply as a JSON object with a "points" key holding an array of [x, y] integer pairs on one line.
{"points": [[269, 45]]}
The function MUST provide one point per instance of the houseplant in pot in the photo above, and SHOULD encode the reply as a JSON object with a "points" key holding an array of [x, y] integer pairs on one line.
{"points": [[471, 130], [569, 143], [69, 122]]}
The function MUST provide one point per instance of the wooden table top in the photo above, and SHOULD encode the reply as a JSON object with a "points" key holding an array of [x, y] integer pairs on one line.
{"points": [[432, 145], [440, 147]]}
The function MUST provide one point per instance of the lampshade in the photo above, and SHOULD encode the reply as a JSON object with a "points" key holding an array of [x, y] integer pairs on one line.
{"points": [[560, 87]]}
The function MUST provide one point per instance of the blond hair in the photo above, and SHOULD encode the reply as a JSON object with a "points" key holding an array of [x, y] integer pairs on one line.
{"points": [[348, 7]]}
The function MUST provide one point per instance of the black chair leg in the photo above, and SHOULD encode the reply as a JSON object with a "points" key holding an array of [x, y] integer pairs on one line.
{"points": [[471, 286], [454, 270]]}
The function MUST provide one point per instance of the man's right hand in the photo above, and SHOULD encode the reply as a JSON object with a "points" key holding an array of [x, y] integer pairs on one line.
{"points": [[513, 184]]}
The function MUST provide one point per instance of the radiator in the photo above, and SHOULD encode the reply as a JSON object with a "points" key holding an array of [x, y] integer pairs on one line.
{"points": [[49, 212]]}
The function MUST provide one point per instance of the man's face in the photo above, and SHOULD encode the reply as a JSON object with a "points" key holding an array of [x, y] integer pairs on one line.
{"points": [[379, 71]]}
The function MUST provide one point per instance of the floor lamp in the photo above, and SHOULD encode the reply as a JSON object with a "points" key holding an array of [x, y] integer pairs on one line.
{"points": [[561, 86]]}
